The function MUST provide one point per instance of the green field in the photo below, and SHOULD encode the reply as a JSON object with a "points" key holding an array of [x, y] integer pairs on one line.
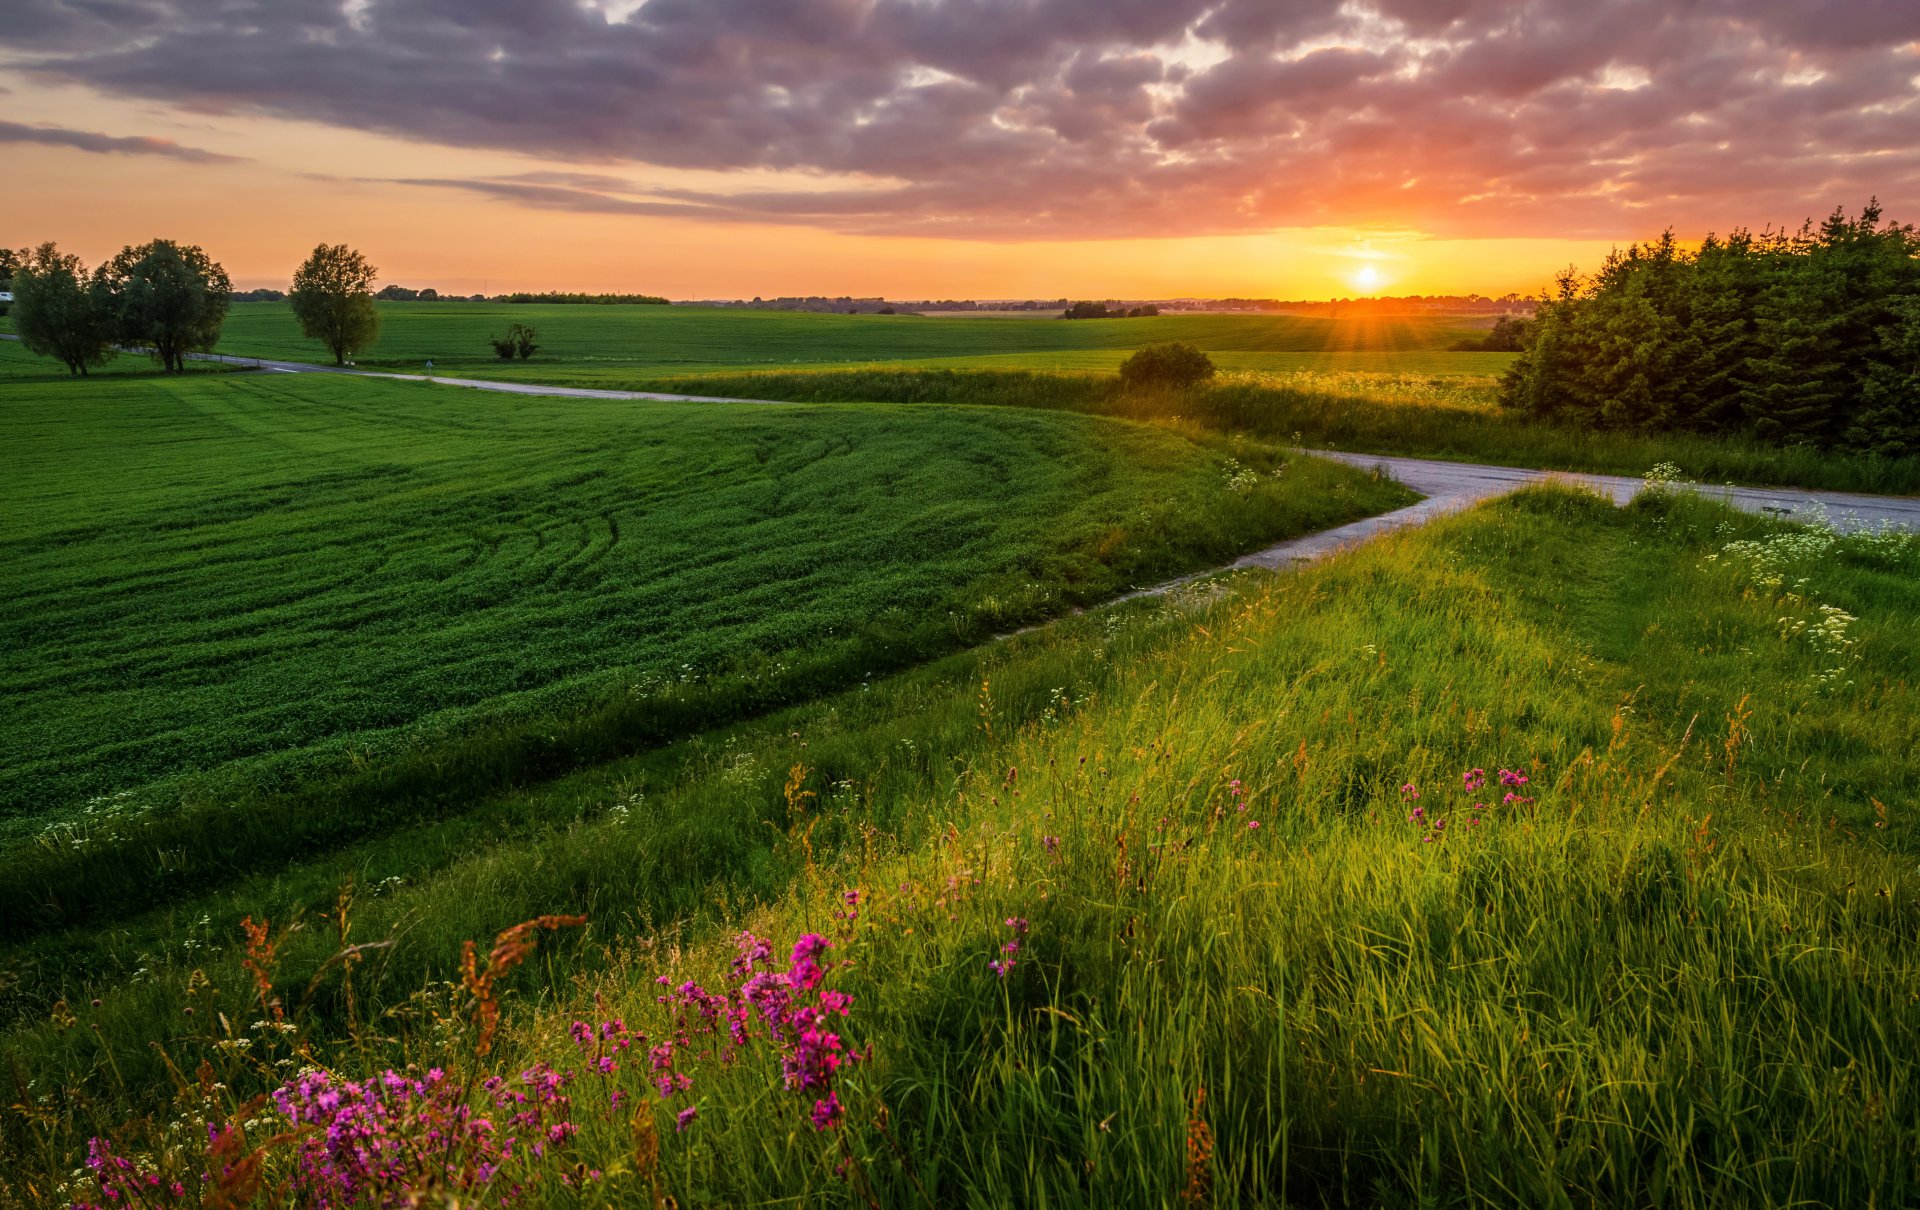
{"points": [[395, 666], [1386, 386], [601, 342], [229, 586], [1677, 970]]}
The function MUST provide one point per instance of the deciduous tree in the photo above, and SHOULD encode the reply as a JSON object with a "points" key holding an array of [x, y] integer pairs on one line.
{"points": [[167, 296], [332, 297], [59, 312]]}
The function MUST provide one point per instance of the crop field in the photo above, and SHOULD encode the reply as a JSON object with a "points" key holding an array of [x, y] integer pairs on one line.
{"points": [[309, 570], [621, 340], [1525, 858]]}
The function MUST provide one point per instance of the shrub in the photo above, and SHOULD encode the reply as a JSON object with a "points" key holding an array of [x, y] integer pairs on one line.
{"points": [[1167, 365], [518, 342]]}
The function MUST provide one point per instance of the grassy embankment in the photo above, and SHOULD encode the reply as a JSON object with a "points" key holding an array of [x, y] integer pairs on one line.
{"points": [[1676, 968]]}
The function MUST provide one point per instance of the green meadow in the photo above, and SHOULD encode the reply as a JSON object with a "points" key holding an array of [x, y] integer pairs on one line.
{"points": [[602, 341], [1386, 386], [234, 587], [1554, 854], [1274, 940]]}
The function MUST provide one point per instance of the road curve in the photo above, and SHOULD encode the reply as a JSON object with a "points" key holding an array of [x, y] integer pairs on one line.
{"points": [[1451, 487]]}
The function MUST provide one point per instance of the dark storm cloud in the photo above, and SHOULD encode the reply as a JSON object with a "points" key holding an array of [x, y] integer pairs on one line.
{"points": [[86, 140], [1005, 118]]}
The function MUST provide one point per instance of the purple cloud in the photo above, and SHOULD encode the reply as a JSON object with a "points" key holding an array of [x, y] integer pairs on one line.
{"points": [[86, 140], [1079, 118]]}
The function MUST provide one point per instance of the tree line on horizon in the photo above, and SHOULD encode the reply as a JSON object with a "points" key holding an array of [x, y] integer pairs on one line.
{"points": [[1809, 337], [171, 299]]}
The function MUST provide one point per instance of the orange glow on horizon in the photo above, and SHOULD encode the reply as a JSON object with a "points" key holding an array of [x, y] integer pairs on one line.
{"points": [[302, 184]]}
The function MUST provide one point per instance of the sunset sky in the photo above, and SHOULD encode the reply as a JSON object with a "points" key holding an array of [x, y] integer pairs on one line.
{"points": [[947, 148]]}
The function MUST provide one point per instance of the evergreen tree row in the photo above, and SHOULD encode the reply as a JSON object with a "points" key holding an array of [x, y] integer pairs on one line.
{"points": [[1809, 337]]}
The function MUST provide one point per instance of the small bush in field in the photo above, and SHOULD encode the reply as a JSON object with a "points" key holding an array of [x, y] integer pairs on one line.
{"points": [[1169, 365]]}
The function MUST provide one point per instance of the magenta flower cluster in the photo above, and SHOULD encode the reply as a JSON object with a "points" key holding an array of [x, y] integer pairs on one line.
{"points": [[1010, 951], [380, 1140], [791, 1011], [1435, 825], [123, 1183], [386, 1140]]}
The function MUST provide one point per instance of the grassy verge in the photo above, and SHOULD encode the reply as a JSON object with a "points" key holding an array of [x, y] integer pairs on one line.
{"points": [[1341, 411], [1675, 968]]}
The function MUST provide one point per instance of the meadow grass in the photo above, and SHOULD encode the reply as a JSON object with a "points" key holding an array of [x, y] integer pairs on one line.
{"points": [[293, 610], [1675, 967], [19, 368]]}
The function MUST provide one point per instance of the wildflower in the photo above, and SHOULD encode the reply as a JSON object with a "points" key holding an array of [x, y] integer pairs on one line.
{"points": [[684, 1119], [826, 1112], [1051, 844], [1473, 779], [1253, 825], [1011, 949], [1409, 791], [1418, 815], [1512, 777]]}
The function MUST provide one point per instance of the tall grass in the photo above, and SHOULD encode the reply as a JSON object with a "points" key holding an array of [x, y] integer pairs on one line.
{"points": [[1676, 968], [1339, 412]]}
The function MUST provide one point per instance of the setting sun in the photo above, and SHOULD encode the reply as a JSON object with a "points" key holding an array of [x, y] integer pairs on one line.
{"points": [[1367, 277]]}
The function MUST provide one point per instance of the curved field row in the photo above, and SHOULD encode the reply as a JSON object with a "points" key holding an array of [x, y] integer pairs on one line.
{"points": [[207, 570]]}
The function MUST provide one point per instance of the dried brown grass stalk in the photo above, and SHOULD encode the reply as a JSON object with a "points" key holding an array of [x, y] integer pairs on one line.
{"points": [[510, 949]]}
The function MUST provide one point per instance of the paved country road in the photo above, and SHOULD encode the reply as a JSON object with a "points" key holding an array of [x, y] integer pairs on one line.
{"points": [[1448, 487]]}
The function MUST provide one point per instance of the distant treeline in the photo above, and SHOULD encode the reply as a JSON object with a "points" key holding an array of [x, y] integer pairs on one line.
{"points": [[429, 294], [1805, 338], [1110, 310], [599, 300]]}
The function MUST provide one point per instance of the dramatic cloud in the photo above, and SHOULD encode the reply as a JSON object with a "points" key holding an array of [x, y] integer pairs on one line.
{"points": [[1077, 118], [86, 140]]}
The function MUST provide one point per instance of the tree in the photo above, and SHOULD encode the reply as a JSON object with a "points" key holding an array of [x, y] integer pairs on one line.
{"points": [[170, 297], [332, 298], [59, 312], [1177, 366], [1797, 338]]}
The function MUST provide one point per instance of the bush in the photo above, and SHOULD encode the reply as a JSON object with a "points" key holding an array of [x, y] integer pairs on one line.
{"points": [[1168, 365], [518, 342]]}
